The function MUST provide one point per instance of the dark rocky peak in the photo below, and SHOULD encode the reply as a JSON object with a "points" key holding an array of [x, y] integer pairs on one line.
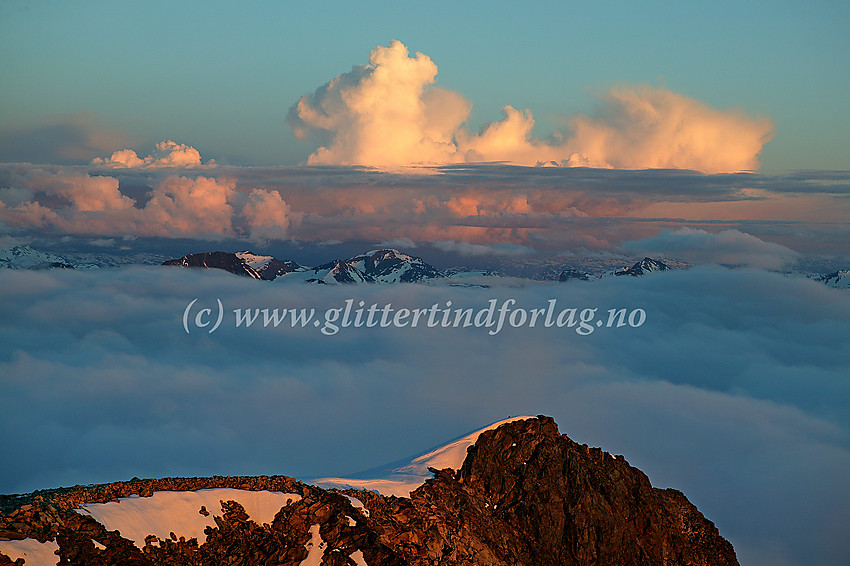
{"points": [[339, 271], [246, 264], [276, 268], [581, 505], [573, 274], [216, 260]]}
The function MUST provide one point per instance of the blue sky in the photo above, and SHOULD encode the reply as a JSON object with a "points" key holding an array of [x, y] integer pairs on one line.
{"points": [[221, 77]]}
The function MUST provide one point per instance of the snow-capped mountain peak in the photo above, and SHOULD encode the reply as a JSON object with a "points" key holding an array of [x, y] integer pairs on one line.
{"points": [[644, 266], [25, 257], [401, 477]]}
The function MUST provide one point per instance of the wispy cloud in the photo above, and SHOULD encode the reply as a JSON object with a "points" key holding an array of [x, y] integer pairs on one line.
{"points": [[70, 138], [467, 249]]}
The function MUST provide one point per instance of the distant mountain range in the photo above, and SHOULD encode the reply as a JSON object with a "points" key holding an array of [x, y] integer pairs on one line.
{"points": [[375, 266], [517, 493]]}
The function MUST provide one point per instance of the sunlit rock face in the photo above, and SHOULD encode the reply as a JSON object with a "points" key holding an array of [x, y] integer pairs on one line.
{"points": [[523, 495]]}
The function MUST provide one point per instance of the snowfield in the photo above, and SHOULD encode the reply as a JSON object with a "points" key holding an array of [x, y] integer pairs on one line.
{"points": [[33, 552], [178, 511]]}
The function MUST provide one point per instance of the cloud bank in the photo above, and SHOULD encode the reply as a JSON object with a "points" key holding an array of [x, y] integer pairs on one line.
{"points": [[734, 390], [389, 114], [548, 210], [726, 247]]}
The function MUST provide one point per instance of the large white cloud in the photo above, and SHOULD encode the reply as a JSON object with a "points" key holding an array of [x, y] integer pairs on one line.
{"points": [[383, 114], [642, 127], [389, 114]]}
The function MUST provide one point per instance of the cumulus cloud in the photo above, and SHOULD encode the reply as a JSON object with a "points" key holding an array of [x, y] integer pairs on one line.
{"points": [[643, 127], [727, 247], [389, 114], [166, 154], [186, 206], [177, 206], [267, 215], [733, 390], [383, 114]]}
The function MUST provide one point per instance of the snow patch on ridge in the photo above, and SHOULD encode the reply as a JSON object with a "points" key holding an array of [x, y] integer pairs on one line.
{"points": [[315, 548], [33, 552], [254, 260], [178, 511]]}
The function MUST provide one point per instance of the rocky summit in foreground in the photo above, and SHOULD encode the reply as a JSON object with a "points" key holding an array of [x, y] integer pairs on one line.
{"points": [[524, 495]]}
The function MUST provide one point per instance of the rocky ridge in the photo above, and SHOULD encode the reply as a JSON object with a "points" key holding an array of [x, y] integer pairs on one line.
{"points": [[525, 495]]}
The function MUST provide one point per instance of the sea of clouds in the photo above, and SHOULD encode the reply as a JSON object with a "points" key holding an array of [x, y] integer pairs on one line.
{"points": [[734, 390]]}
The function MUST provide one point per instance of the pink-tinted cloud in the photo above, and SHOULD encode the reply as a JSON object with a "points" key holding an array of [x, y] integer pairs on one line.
{"points": [[551, 210], [267, 215], [644, 127], [85, 193], [177, 206], [389, 114], [166, 154], [190, 206]]}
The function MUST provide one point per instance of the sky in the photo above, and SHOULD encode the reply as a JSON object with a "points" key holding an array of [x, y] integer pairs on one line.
{"points": [[222, 78], [480, 135]]}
